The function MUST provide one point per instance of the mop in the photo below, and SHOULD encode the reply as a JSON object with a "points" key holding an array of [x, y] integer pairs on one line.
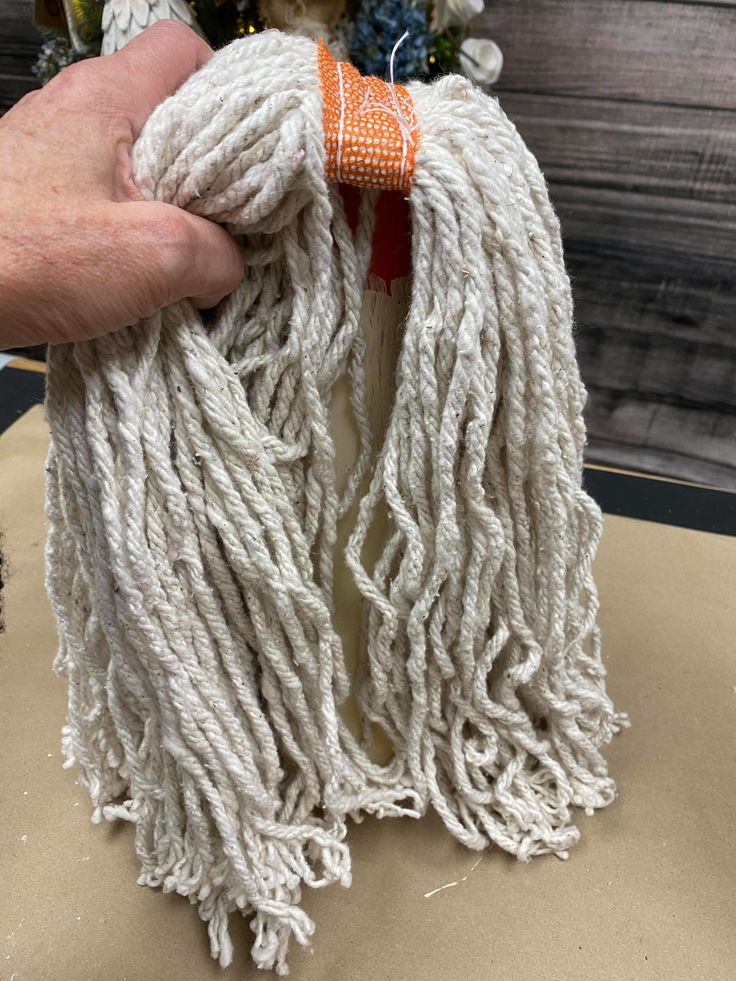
{"points": [[193, 503]]}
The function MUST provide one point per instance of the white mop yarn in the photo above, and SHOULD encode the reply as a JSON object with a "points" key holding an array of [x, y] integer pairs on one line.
{"points": [[193, 507]]}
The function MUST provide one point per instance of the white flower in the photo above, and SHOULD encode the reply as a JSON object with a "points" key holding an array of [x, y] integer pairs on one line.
{"points": [[447, 13], [481, 59]]}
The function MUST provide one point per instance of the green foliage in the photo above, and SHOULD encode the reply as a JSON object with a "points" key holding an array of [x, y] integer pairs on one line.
{"points": [[445, 54], [87, 16]]}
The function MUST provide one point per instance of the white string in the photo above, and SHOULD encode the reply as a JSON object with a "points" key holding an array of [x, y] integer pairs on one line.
{"points": [[341, 126], [406, 132]]}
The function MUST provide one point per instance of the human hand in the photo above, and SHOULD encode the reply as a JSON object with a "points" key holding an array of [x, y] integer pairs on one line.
{"points": [[81, 252]]}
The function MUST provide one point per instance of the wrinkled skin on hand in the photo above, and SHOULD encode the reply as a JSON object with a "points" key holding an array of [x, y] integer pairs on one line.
{"points": [[81, 252]]}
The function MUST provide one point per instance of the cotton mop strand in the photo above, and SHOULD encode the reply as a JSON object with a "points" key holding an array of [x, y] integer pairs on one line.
{"points": [[193, 504]]}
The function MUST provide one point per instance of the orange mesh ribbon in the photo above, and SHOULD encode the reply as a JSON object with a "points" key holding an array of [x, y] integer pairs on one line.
{"points": [[370, 127]]}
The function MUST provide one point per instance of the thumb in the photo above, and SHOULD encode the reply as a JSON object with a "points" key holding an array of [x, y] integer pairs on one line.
{"points": [[188, 257]]}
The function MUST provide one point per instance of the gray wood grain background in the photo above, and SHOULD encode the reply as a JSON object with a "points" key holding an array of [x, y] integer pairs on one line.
{"points": [[19, 44], [630, 106]]}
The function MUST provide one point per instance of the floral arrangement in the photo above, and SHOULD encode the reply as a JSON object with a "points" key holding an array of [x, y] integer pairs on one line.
{"points": [[363, 31]]}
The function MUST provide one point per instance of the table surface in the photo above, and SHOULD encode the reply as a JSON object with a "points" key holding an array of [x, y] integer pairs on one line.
{"points": [[649, 892]]}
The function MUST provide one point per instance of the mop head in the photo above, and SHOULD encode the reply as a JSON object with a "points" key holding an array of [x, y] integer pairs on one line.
{"points": [[193, 504]]}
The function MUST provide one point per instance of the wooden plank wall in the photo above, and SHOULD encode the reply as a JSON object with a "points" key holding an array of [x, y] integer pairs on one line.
{"points": [[19, 44], [630, 106]]}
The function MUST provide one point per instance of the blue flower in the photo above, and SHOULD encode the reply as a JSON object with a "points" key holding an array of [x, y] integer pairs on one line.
{"points": [[378, 26], [54, 55]]}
